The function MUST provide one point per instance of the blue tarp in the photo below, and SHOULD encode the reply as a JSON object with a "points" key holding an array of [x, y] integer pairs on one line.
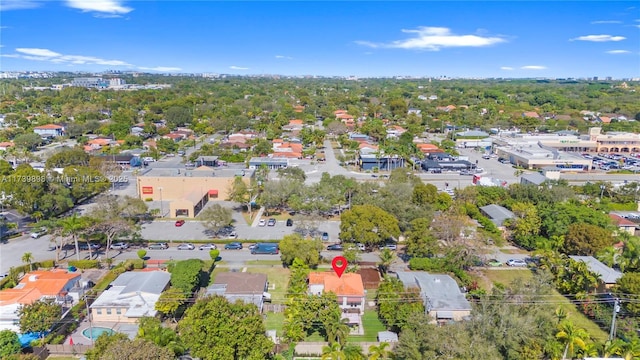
{"points": [[26, 339]]}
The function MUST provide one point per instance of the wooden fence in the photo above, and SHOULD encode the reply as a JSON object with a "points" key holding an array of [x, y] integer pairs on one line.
{"points": [[67, 349]]}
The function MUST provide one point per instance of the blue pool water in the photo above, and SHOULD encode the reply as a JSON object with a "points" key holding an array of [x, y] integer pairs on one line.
{"points": [[95, 332]]}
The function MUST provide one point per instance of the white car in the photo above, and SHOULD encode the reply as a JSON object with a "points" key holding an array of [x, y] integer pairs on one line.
{"points": [[208, 247], [516, 262], [38, 233], [119, 246], [262, 222]]}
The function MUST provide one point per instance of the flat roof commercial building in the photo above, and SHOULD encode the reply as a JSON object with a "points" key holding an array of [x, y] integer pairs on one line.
{"points": [[187, 191]]}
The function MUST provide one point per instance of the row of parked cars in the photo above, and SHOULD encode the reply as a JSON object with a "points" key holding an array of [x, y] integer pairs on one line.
{"points": [[359, 246], [510, 262], [262, 248]]}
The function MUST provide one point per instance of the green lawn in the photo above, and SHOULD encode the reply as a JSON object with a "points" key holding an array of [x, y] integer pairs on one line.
{"points": [[573, 314], [263, 262], [274, 321], [372, 326], [278, 277]]}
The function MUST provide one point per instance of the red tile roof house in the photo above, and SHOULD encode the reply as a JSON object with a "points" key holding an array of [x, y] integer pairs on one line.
{"points": [[49, 130], [174, 137], [349, 289], [623, 224], [5, 145], [530, 114], [34, 286]]}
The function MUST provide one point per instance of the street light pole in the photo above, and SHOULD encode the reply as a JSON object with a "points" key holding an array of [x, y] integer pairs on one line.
{"points": [[161, 207], [250, 205]]}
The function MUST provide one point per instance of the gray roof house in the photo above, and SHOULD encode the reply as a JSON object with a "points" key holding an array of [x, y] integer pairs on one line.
{"points": [[247, 287], [608, 276], [442, 297], [533, 179], [131, 296], [497, 214]]}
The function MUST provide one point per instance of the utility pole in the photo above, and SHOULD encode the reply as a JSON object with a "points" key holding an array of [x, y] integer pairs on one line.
{"points": [[86, 303], [616, 309]]}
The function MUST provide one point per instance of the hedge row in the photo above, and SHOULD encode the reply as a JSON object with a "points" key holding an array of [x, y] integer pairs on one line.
{"points": [[85, 264]]}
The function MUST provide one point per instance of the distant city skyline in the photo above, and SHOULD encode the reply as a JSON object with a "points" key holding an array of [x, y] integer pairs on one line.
{"points": [[496, 39]]}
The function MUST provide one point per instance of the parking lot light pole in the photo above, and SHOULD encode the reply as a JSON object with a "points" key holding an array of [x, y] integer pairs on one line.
{"points": [[161, 207]]}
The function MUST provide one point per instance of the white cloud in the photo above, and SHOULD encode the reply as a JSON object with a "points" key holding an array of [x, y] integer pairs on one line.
{"points": [[618, 52], [161, 68], [606, 22], [101, 6], [284, 57], [506, 68], [233, 67], [533, 67], [599, 38], [434, 39], [6, 5], [38, 52]]}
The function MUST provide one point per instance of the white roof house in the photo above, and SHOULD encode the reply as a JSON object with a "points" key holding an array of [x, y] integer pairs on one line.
{"points": [[131, 296], [607, 275]]}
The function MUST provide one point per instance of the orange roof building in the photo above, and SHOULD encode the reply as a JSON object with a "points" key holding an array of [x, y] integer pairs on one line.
{"points": [[34, 286], [349, 289]]}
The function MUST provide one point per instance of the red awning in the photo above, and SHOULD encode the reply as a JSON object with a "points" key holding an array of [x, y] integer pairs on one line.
{"points": [[213, 192]]}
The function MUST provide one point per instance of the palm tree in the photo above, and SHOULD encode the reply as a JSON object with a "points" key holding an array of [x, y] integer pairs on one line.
{"points": [[28, 258], [337, 331], [73, 226], [333, 352], [379, 352], [608, 256], [386, 259], [628, 350], [561, 314], [571, 336], [353, 352]]}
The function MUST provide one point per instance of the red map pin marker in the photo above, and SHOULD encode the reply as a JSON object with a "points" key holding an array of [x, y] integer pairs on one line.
{"points": [[339, 265]]}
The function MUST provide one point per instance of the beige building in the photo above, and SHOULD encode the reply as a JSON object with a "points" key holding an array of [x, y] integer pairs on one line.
{"points": [[187, 191], [131, 296]]}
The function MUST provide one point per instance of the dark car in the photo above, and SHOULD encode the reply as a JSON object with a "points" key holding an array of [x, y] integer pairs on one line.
{"points": [[334, 247], [85, 246], [289, 222], [325, 236], [233, 246], [265, 248], [271, 222]]}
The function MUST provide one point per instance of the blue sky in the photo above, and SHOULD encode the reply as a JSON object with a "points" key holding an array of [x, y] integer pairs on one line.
{"points": [[381, 38]]}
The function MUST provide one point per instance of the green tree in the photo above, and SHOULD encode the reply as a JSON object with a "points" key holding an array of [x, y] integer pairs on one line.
{"points": [[108, 221], [586, 239], [27, 258], [380, 352], [295, 247], [333, 352], [424, 194], [396, 305], [214, 329], [166, 146], [28, 141], [337, 331], [170, 302], [137, 349], [5, 168], [368, 224], [629, 285], [571, 337], [104, 342], [9, 343], [151, 329], [186, 274], [387, 257], [73, 226], [214, 254], [68, 157], [215, 217], [39, 316], [527, 222], [141, 254], [420, 241], [177, 116], [629, 350]]}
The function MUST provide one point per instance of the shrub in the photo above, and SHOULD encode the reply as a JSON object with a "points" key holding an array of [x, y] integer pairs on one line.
{"points": [[148, 199], [46, 264], [118, 271], [214, 254], [142, 253], [138, 264], [84, 264]]}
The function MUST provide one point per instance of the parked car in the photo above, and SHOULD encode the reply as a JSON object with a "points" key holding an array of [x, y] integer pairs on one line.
{"points": [[271, 222], [516, 262], [334, 247], [119, 246], [325, 236], [86, 246], [289, 222], [486, 156], [38, 233], [158, 246], [265, 248], [179, 223], [208, 247], [389, 246], [233, 246], [361, 247], [262, 222], [494, 263], [186, 247], [252, 246], [232, 235]]}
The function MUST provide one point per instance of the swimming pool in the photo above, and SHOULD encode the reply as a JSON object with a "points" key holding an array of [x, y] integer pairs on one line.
{"points": [[96, 331]]}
